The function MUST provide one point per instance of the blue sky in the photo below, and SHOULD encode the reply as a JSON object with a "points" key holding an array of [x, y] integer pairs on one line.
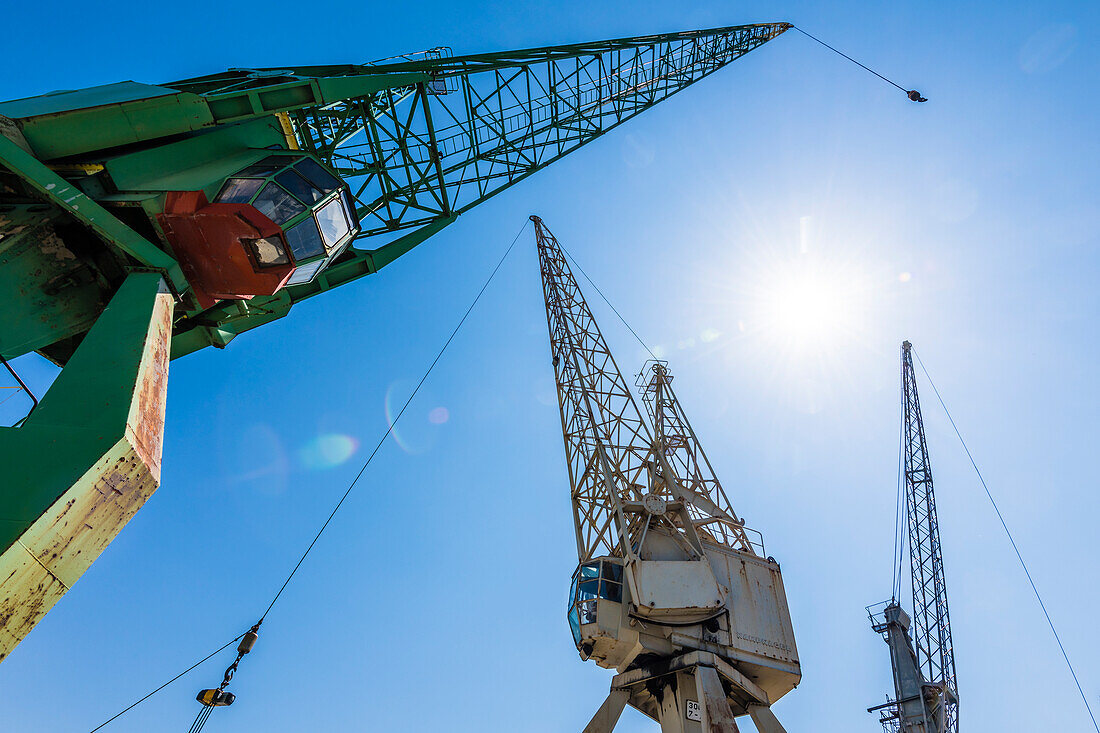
{"points": [[436, 599]]}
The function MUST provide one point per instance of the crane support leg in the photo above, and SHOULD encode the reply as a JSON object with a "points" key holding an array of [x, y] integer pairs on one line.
{"points": [[691, 693], [716, 713], [764, 719], [692, 701], [608, 715], [86, 459]]}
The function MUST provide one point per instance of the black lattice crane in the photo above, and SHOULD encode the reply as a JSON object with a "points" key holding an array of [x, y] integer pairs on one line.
{"points": [[921, 653], [669, 591]]}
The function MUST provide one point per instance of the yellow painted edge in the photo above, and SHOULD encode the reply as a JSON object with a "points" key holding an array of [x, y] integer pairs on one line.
{"points": [[85, 168], [288, 130]]}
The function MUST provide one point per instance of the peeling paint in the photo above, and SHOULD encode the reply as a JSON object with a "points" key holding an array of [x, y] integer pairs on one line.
{"points": [[52, 554], [51, 244]]}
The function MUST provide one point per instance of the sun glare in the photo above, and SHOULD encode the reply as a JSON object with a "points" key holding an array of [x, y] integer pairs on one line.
{"points": [[807, 308]]}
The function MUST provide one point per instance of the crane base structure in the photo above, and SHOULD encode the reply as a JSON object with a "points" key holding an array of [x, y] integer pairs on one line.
{"points": [[690, 693]]}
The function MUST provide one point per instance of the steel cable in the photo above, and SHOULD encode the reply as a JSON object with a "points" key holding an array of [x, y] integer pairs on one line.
{"points": [[203, 714], [1012, 541], [913, 95], [605, 300], [393, 423], [125, 710]]}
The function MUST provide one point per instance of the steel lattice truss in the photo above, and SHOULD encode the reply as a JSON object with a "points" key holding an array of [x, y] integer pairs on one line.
{"points": [[441, 134], [710, 508], [931, 620], [607, 444], [482, 123], [423, 138], [613, 458]]}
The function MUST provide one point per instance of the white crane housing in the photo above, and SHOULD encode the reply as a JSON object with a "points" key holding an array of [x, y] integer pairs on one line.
{"points": [[670, 591]]}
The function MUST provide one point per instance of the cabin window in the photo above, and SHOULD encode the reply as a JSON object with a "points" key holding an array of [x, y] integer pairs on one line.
{"points": [[305, 273], [333, 221], [321, 178], [302, 189], [278, 205], [239, 190], [268, 251], [593, 581], [305, 240]]}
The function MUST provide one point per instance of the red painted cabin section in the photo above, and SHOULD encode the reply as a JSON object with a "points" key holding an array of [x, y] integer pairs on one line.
{"points": [[208, 240]]}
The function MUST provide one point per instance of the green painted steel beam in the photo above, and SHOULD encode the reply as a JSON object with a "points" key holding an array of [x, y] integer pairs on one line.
{"points": [[470, 63], [86, 459], [70, 199], [421, 142], [219, 325]]}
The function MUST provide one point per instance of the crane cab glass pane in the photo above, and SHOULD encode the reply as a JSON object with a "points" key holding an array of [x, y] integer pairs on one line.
{"points": [[321, 178], [267, 166], [593, 580], [611, 581], [268, 251], [333, 221], [238, 190], [278, 205], [305, 273], [302, 189], [305, 240], [349, 207]]}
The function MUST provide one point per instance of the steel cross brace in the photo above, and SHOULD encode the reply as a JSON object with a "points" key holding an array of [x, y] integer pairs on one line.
{"points": [[715, 713]]}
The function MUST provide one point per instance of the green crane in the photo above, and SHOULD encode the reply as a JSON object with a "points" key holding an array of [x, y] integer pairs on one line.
{"points": [[139, 223]]}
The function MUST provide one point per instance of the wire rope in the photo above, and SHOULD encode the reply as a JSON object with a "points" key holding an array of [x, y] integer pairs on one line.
{"points": [[912, 94], [351, 486], [1012, 541], [605, 300]]}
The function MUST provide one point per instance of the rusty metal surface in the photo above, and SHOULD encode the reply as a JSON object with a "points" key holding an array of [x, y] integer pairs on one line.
{"points": [[717, 716], [145, 426], [76, 529], [51, 555], [761, 619], [48, 293]]}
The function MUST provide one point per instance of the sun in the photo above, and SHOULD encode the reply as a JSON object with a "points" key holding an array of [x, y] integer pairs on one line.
{"points": [[806, 306]]}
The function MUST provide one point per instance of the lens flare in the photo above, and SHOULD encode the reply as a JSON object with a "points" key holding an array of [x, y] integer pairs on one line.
{"points": [[268, 463], [327, 451], [417, 431]]}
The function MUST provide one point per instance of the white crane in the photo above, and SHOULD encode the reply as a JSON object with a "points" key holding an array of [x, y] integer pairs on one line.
{"points": [[670, 592]]}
